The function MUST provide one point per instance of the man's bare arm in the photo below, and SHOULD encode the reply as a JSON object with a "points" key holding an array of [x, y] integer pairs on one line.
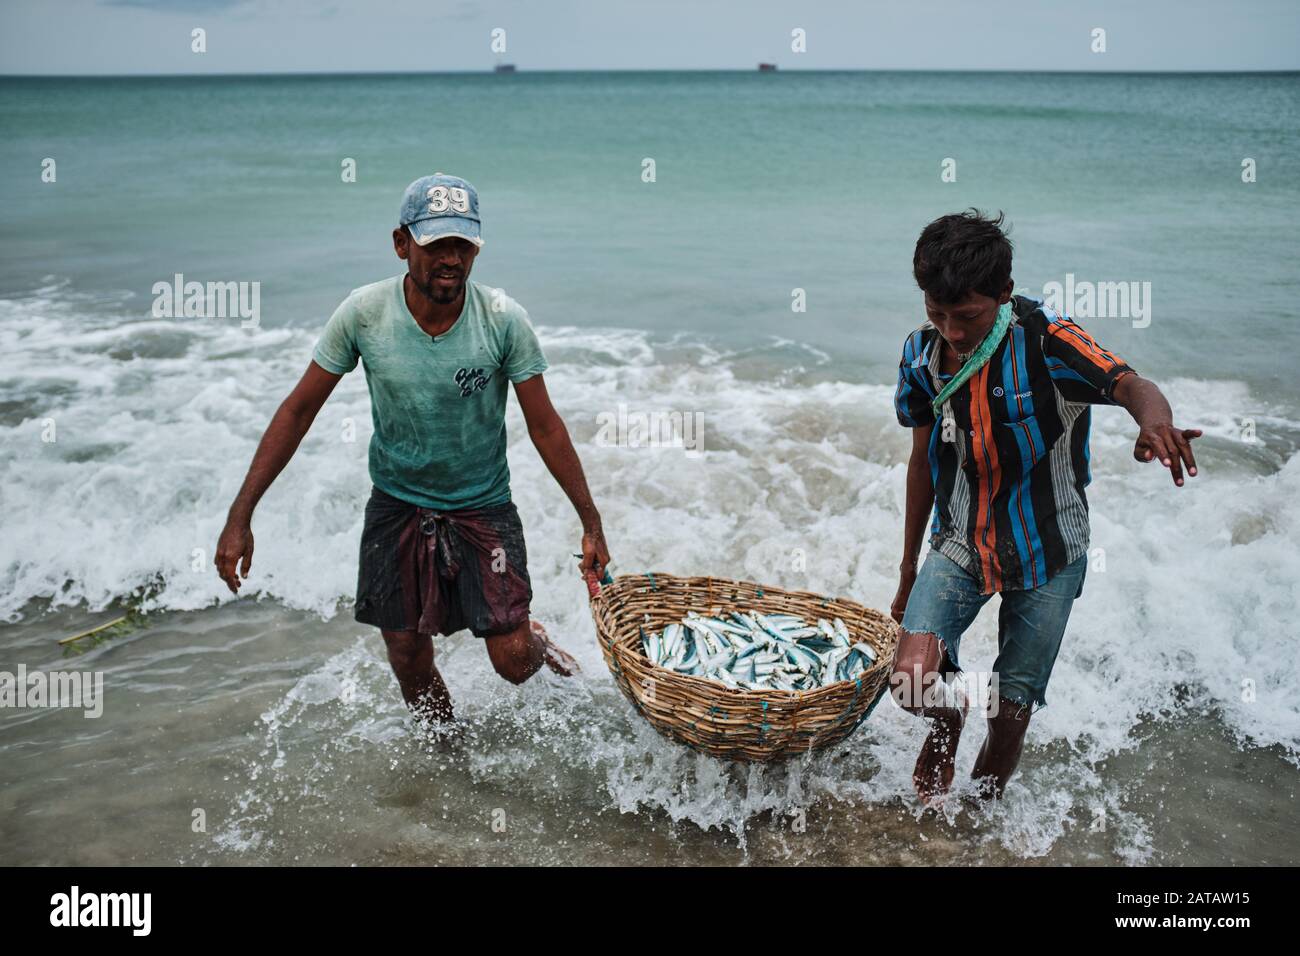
{"points": [[1157, 436], [551, 438], [920, 501], [288, 426]]}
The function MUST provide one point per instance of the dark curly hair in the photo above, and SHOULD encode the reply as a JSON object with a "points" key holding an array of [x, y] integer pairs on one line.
{"points": [[962, 253]]}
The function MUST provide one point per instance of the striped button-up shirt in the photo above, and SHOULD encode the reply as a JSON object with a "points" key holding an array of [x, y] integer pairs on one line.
{"points": [[1009, 460]]}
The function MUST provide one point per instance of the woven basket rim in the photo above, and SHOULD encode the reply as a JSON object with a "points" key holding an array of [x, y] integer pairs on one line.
{"points": [[626, 643]]}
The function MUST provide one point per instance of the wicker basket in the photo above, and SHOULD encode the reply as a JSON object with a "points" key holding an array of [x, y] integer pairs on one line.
{"points": [[751, 726]]}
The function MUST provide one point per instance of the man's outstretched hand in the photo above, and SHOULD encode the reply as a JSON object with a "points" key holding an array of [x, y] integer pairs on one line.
{"points": [[1171, 446], [236, 542]]}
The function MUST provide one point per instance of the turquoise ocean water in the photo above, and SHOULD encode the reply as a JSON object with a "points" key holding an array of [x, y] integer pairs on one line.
{"points": [[765, 183]]}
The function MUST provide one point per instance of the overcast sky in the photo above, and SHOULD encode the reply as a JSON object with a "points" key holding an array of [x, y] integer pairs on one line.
{"points": [[257, 36]]}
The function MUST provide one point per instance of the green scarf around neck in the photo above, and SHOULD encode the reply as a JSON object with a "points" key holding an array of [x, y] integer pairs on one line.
{"points": [[977, 360]]}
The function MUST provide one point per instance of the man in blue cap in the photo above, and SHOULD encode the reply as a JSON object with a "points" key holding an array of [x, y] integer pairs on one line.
{"points": [[442, 547]]}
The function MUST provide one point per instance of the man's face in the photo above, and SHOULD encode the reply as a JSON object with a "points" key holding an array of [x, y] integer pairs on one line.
{"points": [[964, 324], [440, 269]]}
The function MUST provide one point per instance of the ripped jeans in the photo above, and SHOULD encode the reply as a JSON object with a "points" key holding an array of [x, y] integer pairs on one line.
{"points": [[1031, 623]]}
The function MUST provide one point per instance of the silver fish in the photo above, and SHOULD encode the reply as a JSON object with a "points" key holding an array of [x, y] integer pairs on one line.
{"points": [[757, 651], [866, 650]]}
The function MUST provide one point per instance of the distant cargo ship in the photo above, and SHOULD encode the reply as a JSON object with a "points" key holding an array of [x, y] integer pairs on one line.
{"points": [[767, 68], [505, 68]]}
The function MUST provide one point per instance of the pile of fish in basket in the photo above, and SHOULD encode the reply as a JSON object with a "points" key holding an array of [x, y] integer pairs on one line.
{"points": [[741, 670], [755, 651]]}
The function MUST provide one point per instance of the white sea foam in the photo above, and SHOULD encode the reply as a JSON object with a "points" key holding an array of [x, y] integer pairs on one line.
{"points": [[156, 422]]}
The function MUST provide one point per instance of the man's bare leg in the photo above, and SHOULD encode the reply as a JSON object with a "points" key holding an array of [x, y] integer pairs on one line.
{"points": [[519, 654], [918, 667], [1000, 754], [423, 689]]}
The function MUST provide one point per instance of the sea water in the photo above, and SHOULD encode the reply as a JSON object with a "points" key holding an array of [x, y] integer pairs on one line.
{"points": [[758, 282]]}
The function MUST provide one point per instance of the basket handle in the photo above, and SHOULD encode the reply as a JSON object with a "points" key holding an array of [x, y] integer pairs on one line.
{"points": [[594, 584]]}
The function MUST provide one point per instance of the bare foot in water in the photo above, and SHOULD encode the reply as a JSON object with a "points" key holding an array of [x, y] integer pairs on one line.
{"points": [[978, 800], [935, 766], [446, 737], [556, 659], [433, 707]]}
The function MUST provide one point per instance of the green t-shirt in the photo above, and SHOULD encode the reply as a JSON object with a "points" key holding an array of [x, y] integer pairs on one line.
{"points": [[438, 404]]}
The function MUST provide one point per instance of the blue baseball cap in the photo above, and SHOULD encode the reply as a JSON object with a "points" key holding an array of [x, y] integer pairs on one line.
{"points": [[438, 206]]}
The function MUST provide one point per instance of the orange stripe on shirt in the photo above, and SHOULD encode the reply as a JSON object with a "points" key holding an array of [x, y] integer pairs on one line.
{"points": [[989, 470], [1091, 350]]}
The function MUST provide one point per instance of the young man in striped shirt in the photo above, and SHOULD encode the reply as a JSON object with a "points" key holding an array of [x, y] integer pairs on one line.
{"points": [[1002, 456]]}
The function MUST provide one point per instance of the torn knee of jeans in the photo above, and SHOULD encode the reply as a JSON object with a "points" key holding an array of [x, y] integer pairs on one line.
{"points": [[947, 658], [949, 663]]}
